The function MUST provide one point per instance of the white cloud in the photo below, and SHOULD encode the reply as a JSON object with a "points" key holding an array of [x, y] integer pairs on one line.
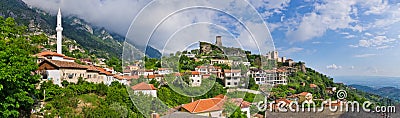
{"points": [[333, 67], [375, 6], [364, 55], [115, 15], [350, 36], [271, 6], [289, 51], [367, 34], [330, 15], [378, 42]]}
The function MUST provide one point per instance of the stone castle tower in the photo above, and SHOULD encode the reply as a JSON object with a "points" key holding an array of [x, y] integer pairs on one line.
{"points": [[218, 41]]}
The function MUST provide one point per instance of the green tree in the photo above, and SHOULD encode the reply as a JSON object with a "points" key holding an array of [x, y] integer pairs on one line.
{"points": [[17, 82]]}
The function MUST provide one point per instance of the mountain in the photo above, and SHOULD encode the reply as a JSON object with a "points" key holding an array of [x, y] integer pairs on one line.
{"points": [[370, 81], [96, 40], [391, 92]]}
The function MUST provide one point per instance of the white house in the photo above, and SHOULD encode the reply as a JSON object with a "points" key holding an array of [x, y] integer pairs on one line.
{"points": [[232, 77], [208, 70], [221, 61], [147, 89], [195, 78], [272, 77], [164, 71], [58, 71]]}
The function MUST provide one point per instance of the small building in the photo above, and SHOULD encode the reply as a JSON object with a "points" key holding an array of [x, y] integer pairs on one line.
{"points": [[211, 107], [330, 90], [58, 71], [93, 75], [164, 71], [232, 77], [221, 61], [147, 89], [195, 78], [313, 86], [210, 70], [53, 56], [307, 97]]}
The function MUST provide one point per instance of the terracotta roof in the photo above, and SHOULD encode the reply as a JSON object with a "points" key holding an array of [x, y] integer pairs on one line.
{"points": [[204, 105], [195, 73], [151, 76], [281, 70], [103, 71], [164, 68], [64, 64], [245, 104], [118, 77], [131, 77], [313, 86], [143, 86], [49, 53], [69, 58], [284, 100], [303, 93], [158, 75], [92, 68], [232, 71]]}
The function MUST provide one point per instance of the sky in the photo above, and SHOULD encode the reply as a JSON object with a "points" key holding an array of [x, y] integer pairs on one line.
{"points": [[335, 37]]}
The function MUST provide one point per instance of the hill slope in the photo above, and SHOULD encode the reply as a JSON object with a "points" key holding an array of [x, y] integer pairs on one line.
{"points": [[96, 40]]}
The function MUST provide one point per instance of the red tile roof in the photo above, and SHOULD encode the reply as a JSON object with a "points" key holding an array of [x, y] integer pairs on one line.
{"points": [[131, 77], [92, 68], [103, 71], [118, 77], [64, 64], [232, 71], [49, 53], [151, 76], [245, 104], [313, 86], [195, 73], [204, 105], [284, 100], [143, 86], [164, 69], [303, 93]]}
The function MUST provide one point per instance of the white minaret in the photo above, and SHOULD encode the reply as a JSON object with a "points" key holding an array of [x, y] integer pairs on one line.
{"points": [[59, 30]]}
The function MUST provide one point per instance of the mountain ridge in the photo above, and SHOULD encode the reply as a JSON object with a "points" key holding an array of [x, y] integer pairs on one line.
{"points": [[97, 40]]}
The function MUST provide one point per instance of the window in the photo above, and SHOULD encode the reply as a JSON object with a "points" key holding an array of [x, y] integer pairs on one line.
{"points": [[235, 83], [45, 75], [229, 83], [198, 80], [70, 76], [257, 79]]}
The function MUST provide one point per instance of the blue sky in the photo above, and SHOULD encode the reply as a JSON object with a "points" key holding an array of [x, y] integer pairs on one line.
{"points": [[343, 37], [336, 37]]}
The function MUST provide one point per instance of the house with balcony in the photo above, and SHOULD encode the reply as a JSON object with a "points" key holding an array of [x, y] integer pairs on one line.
{"points": [[232, 77]]}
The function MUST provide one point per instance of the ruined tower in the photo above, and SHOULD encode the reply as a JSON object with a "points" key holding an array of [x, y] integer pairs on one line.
{"points": [[218, 41]]}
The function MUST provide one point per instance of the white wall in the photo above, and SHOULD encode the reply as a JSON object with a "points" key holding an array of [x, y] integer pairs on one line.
{"points": [[55, 75], [147, 92]]}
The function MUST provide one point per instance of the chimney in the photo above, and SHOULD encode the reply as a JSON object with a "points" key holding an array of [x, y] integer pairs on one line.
{"points": [[218, 41]]}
